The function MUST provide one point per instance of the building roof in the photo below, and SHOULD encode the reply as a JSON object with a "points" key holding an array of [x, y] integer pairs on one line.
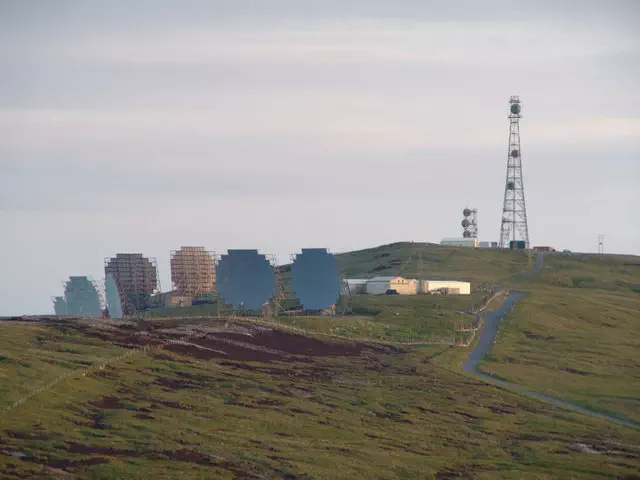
{"points": [[384, 279], [458, 239], [448, 281]]}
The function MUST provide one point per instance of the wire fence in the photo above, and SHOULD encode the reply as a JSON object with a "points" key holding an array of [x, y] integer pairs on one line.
{"points": [[479, 314], [95, 367]]}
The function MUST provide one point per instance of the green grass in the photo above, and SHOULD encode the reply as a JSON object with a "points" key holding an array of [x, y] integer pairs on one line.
{"points": [[576, 335], [205, 309], [413, 318], [378, 414], [32, 356], [395, 318], [477, 266], [375, 415], [430, 262]]}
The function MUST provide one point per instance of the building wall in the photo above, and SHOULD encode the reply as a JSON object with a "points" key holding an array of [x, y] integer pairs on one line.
{"points": [[356, 287], [404, 286], [454, 287], [378, 287], [178, 301], [460, 242]]}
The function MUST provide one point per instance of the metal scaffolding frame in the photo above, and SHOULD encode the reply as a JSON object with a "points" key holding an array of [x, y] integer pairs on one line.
{"points": [[136, 277], [193, 271]]}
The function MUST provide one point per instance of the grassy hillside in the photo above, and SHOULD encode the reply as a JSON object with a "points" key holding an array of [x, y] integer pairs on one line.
{"points": [[241, 402], [477, 266], [235, 400], [413, 318], [577, 333]]}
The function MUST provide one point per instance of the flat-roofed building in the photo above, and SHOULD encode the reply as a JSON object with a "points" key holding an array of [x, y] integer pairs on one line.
{"points": [[460, 242], [450, 287], [403, 286]]}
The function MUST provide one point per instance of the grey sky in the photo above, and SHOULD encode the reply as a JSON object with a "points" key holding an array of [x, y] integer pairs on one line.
{"points": [[144, 126]]}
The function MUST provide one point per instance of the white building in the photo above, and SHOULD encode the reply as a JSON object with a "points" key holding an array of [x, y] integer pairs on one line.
{"points": [[451, 287], [380, 285], [354, 286], [460, 242]]}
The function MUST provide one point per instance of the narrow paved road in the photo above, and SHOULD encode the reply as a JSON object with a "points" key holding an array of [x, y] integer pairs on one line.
{"points": [[487, 338]]}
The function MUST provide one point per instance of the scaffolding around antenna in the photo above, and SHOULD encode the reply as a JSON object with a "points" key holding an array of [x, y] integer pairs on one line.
{"points": [[193, 271], [136, 279]]}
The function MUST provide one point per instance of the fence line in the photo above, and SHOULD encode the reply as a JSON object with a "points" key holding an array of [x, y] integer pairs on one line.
{"points": [[144, 350], [95, 367]]}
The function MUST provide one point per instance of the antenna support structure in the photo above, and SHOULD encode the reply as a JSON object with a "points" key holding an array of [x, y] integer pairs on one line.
{"points": [[470, 223], [514, 230]]}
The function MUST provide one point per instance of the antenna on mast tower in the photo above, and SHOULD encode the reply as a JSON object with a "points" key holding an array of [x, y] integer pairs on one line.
{"points": [[601, 244], [514, 230]]}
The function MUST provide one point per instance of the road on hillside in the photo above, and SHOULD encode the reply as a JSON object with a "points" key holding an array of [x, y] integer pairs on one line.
{"points": [[487, 338]]}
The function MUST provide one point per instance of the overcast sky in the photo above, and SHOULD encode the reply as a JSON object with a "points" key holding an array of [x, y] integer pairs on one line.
{"points": [[143, 126]]}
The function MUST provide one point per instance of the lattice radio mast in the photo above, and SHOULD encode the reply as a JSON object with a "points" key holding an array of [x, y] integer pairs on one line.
{"points": [[514, 231]]}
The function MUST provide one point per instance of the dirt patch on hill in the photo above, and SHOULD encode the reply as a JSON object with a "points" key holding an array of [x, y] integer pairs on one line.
{"points": [[180, 455], [84, 449], [211, 348], [267, 345], [65, 464], [314, 374], [293, 344], [172, 384], [107, 403]]}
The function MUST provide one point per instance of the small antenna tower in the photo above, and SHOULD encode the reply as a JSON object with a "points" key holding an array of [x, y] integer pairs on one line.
{"points": [[470, 223], [280, 296], [514, 228], [601, 244], [344, 306]]}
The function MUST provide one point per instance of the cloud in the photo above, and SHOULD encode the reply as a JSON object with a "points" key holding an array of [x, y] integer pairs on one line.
{"points": [[356, 132], [515, 43], [146, 126]]}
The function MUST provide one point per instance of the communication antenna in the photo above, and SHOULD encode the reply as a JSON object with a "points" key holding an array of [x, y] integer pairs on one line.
{"points": [[514, 231], [280, 296], [470, 223], [345, 306], [601, 244]]}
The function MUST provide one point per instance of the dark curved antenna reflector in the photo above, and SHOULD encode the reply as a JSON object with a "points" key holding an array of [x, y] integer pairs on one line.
{"points": [[81, 297], [113, 297], [59, 305], [245, 279], [316, 278]]}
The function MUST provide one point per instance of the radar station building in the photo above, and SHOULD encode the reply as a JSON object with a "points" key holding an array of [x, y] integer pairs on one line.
{"points": [[450, 287], [460, 242], [403, 286]]}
